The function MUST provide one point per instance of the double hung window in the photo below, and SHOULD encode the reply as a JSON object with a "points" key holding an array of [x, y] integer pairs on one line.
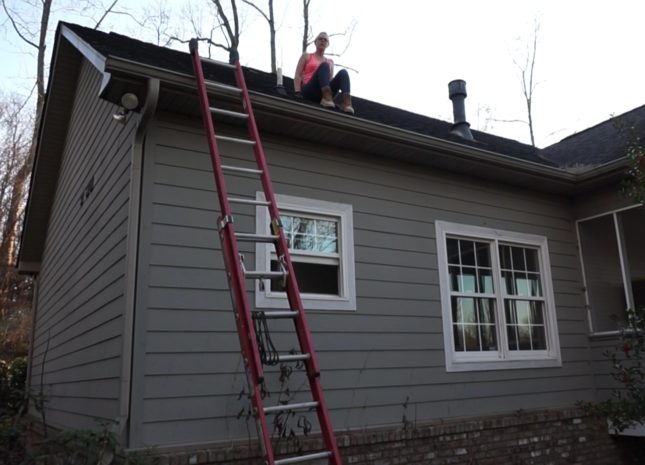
{"points": [[497, 299], [320, 239]]}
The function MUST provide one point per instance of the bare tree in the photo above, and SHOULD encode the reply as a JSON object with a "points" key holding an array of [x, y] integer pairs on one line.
{"points": [[19, 120], [231, 31], [270, 19], [15, 141], [307, 32], [527, 72]]}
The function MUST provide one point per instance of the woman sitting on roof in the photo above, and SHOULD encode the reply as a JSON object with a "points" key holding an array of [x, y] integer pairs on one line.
{"points": [[313, 79]]}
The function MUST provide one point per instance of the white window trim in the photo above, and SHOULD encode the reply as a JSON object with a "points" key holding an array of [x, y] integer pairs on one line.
{"points": [[343, 212], [624, 270], [502, 359]]}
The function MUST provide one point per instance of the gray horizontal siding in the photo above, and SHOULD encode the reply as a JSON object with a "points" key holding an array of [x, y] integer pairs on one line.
{"points": [[79, 318], [189, 371]]}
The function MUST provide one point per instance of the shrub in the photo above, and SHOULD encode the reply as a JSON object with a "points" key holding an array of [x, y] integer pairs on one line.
{"points": [[626, 405]]}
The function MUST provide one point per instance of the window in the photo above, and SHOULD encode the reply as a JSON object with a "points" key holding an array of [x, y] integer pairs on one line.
{"points": [[497, 299], [613, 264], [321, 244]]}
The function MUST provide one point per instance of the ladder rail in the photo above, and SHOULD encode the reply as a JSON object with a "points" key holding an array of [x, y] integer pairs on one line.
{"points": [[293, 293], [230, 249]]}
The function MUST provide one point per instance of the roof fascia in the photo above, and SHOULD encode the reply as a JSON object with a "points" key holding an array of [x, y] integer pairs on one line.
{"points": [[260, 100], [90, 54]]}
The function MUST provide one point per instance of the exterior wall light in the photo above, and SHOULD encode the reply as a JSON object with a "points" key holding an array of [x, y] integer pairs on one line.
{"points": [[129, 102]]}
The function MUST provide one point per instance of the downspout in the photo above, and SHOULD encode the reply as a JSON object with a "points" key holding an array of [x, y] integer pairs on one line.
{"points": [[132, 256]]}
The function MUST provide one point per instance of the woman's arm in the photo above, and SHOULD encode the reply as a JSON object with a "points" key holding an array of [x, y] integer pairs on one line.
{"points": [[297, 78]]}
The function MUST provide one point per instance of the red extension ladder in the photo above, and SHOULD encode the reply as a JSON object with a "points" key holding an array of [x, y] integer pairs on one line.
{"points": [[237, 274]]}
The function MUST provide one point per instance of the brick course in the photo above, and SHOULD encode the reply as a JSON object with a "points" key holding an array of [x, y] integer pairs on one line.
{"points": [[545, 437]]}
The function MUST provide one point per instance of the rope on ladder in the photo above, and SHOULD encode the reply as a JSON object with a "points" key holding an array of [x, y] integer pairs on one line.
{"points": [[268, 353]]}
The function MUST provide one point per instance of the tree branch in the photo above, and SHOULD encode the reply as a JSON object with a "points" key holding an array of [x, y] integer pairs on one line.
{"points": [[257, 8], [107, 12], [15, 26]]}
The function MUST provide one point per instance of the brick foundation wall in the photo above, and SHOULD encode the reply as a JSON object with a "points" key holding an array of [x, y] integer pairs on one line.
{"points": [[545, 437]]}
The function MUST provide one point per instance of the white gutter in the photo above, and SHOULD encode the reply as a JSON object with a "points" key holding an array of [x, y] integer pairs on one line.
{"points": [[132, 254], [354, 124]]}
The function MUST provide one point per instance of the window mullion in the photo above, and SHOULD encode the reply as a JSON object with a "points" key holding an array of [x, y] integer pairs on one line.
{"points": [[501, 315]]}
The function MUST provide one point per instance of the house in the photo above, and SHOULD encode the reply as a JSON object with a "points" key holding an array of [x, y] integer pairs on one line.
{"points": [[459, 317]]}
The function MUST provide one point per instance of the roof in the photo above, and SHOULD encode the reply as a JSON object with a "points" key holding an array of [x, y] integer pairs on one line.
{"points": [[117, 45], [129, 65], [600, 144]]}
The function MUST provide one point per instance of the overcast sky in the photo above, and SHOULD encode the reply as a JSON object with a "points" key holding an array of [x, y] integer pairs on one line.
{"points": [[589, 63]]}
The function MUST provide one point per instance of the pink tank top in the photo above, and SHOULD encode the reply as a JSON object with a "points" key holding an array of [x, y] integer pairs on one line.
{"points": [[311, 65]]}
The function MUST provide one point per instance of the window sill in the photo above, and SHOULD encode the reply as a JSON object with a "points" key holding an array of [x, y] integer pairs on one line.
{"points": [[488, 365], [309, 303]]}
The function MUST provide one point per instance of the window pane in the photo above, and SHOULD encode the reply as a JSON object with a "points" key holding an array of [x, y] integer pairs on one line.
{"points": [[511, 334], [602, 272], [486, 311], [468, 310], [521, 284], [505, 257], [452, 246], [538, 337], [468, 280], [633, 228], [467, 252], [517, 256], [311, 234], [471, 335], [454, 278], [458, 333], [537, 313], [457, 316], [488, 337], [485, 282], [508, 284], [532, 260], [521, 312], [313, 278], [524, 337], [483, 254], [535, 288]]}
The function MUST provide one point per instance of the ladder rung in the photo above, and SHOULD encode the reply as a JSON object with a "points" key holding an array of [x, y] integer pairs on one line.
{"points": [[287, 407], [217, 62], [236, 140], [239, 169], [303, 458], [235, 114], [277, 314], [225, 88], [249, 237], [264, 203], [293, 357], [264, 274]]}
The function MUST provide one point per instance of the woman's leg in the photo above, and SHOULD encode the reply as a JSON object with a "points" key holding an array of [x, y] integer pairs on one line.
{"points": [[341, 82], [313, 89]]}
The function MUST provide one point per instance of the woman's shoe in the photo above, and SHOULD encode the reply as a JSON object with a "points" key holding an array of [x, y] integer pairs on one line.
{"points": [[346, 104], [327, 98]]}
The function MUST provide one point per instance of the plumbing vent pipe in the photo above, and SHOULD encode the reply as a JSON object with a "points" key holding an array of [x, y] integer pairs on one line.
{"points": [[457, 93]]}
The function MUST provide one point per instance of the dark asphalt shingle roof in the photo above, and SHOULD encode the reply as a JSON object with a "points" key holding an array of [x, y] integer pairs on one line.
{"points": [[593, 146], [598, 144]]}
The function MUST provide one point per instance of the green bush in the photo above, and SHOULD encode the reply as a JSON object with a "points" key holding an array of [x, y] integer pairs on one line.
{"points": [[13, 375], [626, 405]]}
